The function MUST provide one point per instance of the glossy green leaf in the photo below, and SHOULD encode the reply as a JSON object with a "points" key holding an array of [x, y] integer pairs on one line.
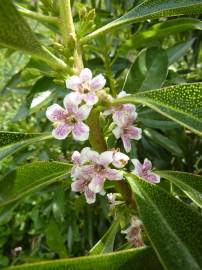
{"points": [[181, 103], [190, 184], [55, 240], [174, 228], [29, 178], [16, 34], [138, 259], [106, 243], [151, 9], [149, 71], [162, 30], [11, 142]]}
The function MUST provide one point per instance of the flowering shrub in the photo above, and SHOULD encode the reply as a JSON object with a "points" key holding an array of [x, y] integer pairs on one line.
{"points": [[118, 115]]}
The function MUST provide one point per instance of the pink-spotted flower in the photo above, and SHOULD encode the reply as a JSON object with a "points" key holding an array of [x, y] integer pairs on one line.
{"points": [[145, 171], [92, 169], [134, 232], [69, 119], [127, 132], [85, 86]]}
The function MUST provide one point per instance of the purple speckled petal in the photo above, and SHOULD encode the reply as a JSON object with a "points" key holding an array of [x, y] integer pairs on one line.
{"points": [[153, 178], [126, 143], [98, 82], [71, 102], [85, 75], [90, 98], [134, 133], [147, 165], [138, 167], [113, 174], [79, 185], [73, 83], [76, 158], [89, 195], [80, 131], [61, 131], [55, 113], [96, 185]]}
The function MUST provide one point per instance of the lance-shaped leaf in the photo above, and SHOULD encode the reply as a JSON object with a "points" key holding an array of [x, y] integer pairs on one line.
{"points": [[11, 142], [181, 103], [138, 259], [174, 228], [161, 30], [151, 9], [106, 243], [190, 184], [29, 178], [16, 34]]}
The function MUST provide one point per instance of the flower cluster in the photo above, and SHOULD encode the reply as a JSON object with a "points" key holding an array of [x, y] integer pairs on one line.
{"points": [[78, 105], [92, 169], [134, 232], [124, 117]]}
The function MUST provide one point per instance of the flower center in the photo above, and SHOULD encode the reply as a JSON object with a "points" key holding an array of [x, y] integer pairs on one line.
{"points": [[99, 168], [85, 88]]}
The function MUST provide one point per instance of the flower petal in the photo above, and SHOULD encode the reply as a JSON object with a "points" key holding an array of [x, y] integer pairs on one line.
{"points": [[85, 75], [80, 131], [113, 174], [89, 195], [55, 113], [120, 159], [138, 167], [126, 143], [98, 82], [97, 182], [83, 112], [147, 165], [153, 178], [71, 102], [73, 83], [106, 158], [90, 98], [76, 158], [61, 131], [79, 185], [134, 133], [122, 94], [117, 132]]}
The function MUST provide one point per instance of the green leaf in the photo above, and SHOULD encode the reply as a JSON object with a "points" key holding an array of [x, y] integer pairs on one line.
{"points": [[11, 142], [29, 178], [164, 141], [106, 243], [190, 184], [149, 71], [138, 259], [174, 228], [16, 34], [151, 9], [181, 103], [162, 30], [55, 240]]}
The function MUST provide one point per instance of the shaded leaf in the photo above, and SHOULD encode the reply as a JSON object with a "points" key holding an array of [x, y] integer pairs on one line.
{"points": [[55, 240], [190, 184], [106, 243], [11, 142], [149, 71], [175, 229], [137, 259], [181, 103], [29, 178]]}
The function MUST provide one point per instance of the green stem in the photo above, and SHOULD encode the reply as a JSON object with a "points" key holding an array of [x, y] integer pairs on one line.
{"points": [[69, 34], [37, 16]]}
